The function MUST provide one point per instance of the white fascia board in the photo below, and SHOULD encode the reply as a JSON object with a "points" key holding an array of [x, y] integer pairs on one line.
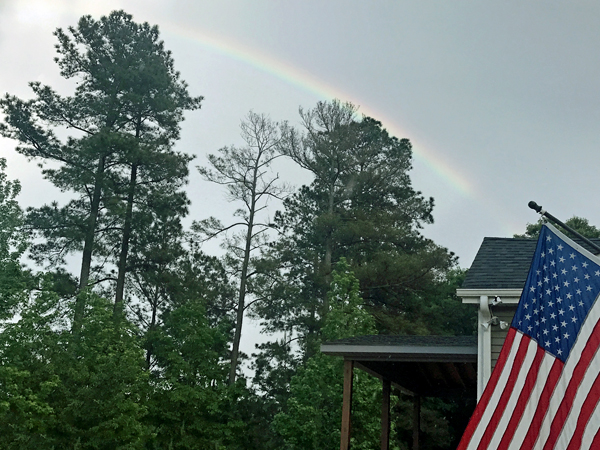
{"points": [[508, 296]]}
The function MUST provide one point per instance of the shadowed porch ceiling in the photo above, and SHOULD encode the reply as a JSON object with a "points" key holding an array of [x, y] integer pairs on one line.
{"points": [[429, 366]]}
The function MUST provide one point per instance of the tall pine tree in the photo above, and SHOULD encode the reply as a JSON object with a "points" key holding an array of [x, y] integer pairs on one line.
{"points": [[124, 117]]}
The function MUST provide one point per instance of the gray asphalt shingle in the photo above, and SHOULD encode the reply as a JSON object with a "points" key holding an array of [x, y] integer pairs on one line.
{"points": [[503, 263]]}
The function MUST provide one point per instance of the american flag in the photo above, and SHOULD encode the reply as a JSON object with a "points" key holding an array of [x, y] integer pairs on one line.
{"points": [[544, 391]]}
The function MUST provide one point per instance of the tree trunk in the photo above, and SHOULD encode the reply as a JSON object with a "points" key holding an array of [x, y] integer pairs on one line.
{"points": [[122, 266], [151, 328], [235, 351], [328, 248], [86, 259]]}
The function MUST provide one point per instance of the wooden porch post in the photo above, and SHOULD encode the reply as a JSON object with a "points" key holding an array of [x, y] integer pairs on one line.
{"points": [[385, 415], [347, 404], [416, 421]]}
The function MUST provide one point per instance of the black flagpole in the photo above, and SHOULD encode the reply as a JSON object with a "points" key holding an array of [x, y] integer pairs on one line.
{"points": [[537, 208]]}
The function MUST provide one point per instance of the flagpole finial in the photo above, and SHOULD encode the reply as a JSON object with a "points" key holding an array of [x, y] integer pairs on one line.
{"points": [[533, 205], [537, 208]]}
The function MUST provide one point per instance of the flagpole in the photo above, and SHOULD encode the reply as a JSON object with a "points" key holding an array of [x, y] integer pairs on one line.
{"points": [[537, 208]]}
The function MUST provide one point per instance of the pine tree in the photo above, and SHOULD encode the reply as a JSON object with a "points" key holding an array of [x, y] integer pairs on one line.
{"points": [[124, 118]]}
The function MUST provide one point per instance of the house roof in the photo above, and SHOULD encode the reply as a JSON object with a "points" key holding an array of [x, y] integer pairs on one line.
{"points": [[396, 347], [503, 263], [426, 365]]}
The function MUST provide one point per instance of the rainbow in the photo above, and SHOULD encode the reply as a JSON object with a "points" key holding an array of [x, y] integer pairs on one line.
{"points": [[301, 79], [294, 76], [306, 81]]}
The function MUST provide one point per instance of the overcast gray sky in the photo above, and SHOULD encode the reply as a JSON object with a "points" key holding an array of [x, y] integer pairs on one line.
{"points": [[499, 98]]}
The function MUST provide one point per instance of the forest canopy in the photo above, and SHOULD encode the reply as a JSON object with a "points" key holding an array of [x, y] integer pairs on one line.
{"points": [[138, 346]]}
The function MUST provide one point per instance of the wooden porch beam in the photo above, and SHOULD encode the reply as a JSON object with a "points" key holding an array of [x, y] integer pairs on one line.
{"points": [[347, 404], [385, 414], [416, 421]]}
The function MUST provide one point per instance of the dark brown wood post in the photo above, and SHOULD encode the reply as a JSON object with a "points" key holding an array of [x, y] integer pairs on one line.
{"points": [[416, 421], [347, 404], [385, 415]]}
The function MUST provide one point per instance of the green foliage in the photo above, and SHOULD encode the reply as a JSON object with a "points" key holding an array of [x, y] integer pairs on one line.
{"points": [[347, 315], [58, 393], [73, 374], [13, 279], [579, 224], [188, 381], [313, 411]]}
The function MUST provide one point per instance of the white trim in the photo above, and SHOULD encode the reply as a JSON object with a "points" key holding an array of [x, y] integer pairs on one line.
{"points": [[473, 296], [484, 345]]}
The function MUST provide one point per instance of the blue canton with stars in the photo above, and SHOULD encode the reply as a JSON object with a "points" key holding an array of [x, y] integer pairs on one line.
{"points": [[561, 287]]}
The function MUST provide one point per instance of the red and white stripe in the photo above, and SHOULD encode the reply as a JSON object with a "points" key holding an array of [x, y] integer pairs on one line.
{"points": [[534, 401]]}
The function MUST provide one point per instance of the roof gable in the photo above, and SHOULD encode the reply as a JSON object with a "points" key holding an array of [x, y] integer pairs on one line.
{"points": [[503, 263]]}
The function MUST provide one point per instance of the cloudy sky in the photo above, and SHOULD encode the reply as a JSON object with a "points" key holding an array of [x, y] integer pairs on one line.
{"points": [[501, 99]]}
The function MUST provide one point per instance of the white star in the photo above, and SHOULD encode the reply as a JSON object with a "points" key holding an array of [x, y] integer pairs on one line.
{"points": [[584, 264], [551, 251], [539, 283], [558, 300], [597, 273], [548, 292], [572, 256], [580, 303], [586, 276], [546, 332], [544, 320], [550, 303], [554, 327], [548, 238], [525, 305], [552, 263], [573, 267], [546, 279], [576, 280], [535, 311], [566, 283], [569, 296], [571, 307], [529, 328], [566, 335], [563, 324], [553, 316], [554, 275], [547, 343], [557, 287], [543, 254], [538, 272], [563, 271], [578, 291], [560, 247], [574, 319], [559, 352], [561, 312], [589, 288], [561, 259], [532, 288], [527, 317]]}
